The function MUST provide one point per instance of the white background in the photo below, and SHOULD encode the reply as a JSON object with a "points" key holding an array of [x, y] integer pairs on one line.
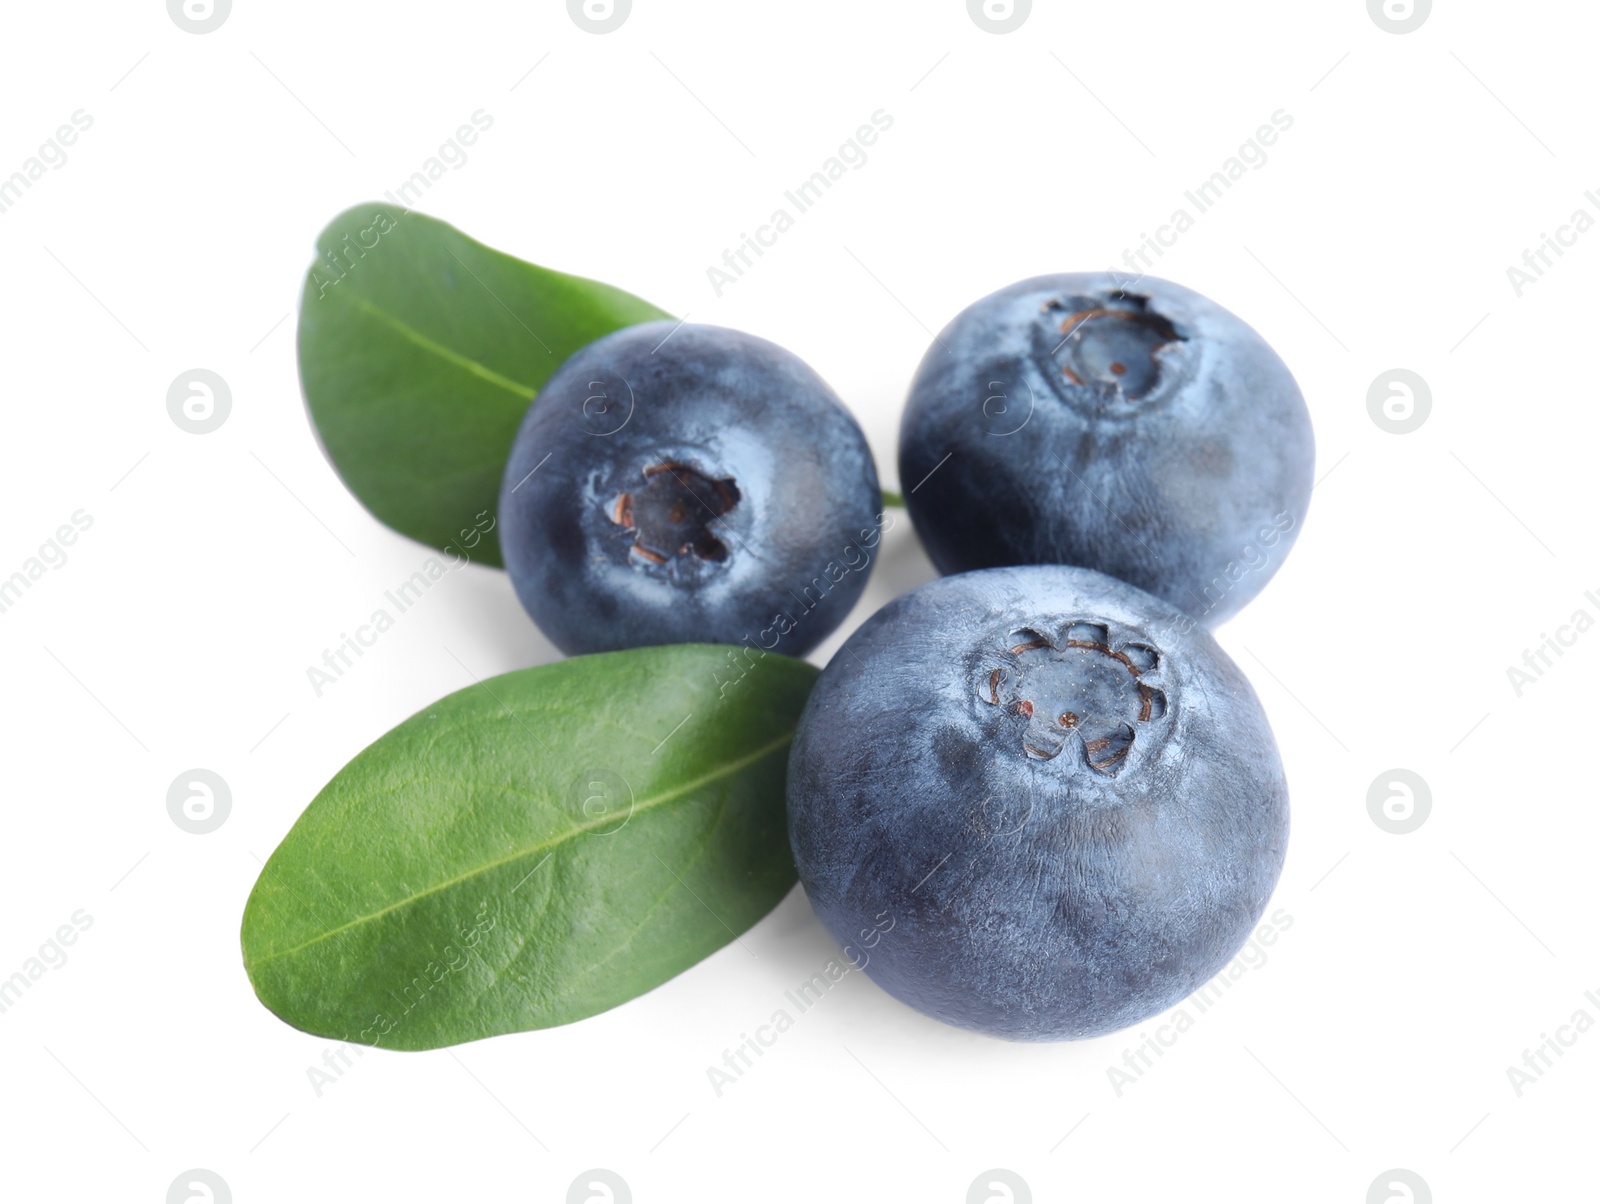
{"points": [[1418, 967]]}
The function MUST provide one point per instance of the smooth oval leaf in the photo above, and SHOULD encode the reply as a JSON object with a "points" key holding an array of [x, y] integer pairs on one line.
{"points": [[420, 351], [534, 849]]}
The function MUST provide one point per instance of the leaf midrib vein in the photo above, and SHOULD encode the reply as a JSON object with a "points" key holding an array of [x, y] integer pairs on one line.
{"points": [[414, 335], [576, 830], [588, 972]]}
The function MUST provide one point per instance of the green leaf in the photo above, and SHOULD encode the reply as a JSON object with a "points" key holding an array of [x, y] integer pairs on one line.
{"points": [[420, 351], [534, 849]]}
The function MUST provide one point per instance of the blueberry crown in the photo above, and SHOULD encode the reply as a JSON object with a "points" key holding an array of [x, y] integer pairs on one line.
{"points": [[1104, 352], [670, 515], [1069, 688]]}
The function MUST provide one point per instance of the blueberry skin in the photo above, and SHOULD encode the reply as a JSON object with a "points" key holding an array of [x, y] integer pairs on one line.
{"points": [[1180, 460], [703, 488], [1036, 802]]}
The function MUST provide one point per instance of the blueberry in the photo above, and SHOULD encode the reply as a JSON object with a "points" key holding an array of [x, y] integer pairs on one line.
{"points": [[688, 484], [1143, 431], [1036, 802]]}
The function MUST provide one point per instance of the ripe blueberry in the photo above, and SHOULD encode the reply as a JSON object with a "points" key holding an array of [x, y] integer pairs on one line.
{"points": [[688, 484], [1051, 797], [1140, 430]]}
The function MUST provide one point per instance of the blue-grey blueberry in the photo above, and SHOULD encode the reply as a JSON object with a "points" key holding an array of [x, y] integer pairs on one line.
{"points": [[1036, 802], [1138, 429], [688, 484]]}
